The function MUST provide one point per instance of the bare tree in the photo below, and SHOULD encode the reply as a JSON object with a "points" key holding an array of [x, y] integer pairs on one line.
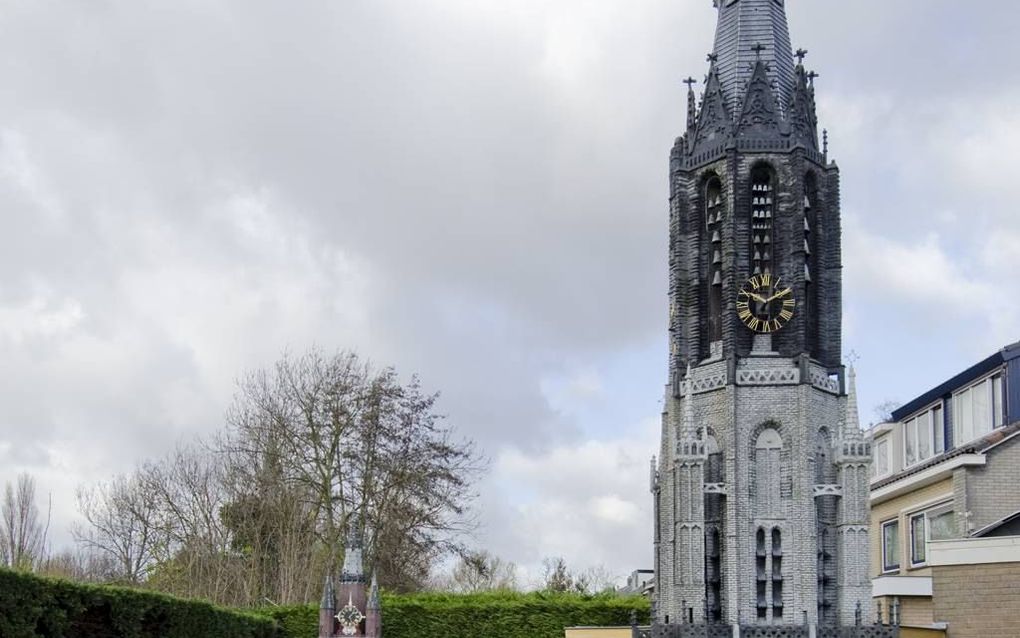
{"points": [[355, 445], [312, 446], [22, 535], [79, 565], [121, 524], [479, 571]]}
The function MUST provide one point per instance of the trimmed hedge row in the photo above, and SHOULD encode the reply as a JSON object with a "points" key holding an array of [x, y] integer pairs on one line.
{"points": [[491, 615], [32, 607]]}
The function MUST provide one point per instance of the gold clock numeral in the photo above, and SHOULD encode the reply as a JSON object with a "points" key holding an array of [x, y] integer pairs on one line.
{"points": [[786, 315], [754, 323], [745, 315], [766, 279], [789, 303], [776, 325], [741, 305]]}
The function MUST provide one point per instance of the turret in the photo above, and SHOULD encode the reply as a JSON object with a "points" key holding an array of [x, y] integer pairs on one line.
{"points": [[373, 612], [327, 610]]}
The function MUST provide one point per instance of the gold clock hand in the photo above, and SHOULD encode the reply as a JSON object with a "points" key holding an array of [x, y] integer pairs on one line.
{"points": [[779, 294]]}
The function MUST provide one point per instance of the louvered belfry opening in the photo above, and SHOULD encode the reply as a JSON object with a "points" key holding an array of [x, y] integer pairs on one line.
{"points": [[714, 210], [763, 206]]}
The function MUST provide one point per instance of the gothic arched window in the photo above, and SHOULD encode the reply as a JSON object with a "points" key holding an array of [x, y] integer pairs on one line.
{"points": [[767, 471], [713, 231], [763, 208]]}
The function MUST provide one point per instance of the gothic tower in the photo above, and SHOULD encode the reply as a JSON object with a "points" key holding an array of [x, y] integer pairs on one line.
{"points": [[761, 485]]}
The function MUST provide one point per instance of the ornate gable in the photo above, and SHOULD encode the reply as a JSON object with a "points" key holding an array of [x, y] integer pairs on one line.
{"points": [[715, 123], [760, 116]]}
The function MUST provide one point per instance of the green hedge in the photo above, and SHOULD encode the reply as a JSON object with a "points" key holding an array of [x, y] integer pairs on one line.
{"points": [[31, 607], [495, 615]]}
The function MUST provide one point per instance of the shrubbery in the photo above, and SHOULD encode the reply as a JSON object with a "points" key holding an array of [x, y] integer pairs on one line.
{"points": [[491, 615], [33, 607]]}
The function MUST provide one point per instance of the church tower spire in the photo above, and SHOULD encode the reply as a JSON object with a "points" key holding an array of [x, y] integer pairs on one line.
{"points": [[743, 25], [759, 491]]}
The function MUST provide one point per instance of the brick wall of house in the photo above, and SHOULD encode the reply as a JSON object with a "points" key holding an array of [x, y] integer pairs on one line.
{"points": [[991, 492], [896, 509], [978, 601]]}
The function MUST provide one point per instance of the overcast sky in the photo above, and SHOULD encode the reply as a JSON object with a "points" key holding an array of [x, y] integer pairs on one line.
{"points": [[470, 190]]}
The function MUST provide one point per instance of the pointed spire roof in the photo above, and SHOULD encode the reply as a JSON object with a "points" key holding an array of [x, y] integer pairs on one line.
{"points": [[688, 430], [852, 422], [328, 594], [373, 594], [744, 25]]}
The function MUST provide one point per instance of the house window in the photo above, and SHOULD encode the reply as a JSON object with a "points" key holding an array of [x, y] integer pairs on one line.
{"points": [[933, 525], [924, 436], [891, 546], [880, 452], [978, 409]]}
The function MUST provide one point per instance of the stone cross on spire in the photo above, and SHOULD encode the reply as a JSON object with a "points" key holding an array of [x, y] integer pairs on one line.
{"points": [[800, 55], [758, 49]]}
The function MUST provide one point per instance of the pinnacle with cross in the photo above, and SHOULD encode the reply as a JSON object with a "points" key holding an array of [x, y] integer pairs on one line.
{"points": [[690, 82], [811, 78], [758, 48], [712, 57], [800, 55]]}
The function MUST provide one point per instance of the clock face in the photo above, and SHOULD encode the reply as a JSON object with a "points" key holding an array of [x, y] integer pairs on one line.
{"points": [[765, 304], [350, 617]]}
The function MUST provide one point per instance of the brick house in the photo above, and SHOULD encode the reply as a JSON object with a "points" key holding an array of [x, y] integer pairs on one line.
{"points": [[944, 469]]}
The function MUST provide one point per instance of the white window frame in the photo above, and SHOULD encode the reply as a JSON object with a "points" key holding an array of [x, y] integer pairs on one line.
{"points": [[912, 422], [996, 412], [926, 515], [899, 541]]}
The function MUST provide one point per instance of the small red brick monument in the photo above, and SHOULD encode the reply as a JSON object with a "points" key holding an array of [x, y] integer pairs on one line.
{"points": [[359, 614]]}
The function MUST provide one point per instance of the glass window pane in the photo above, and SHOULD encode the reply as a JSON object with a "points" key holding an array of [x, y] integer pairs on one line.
{"points": [[910, 442], [997, 406], [882, 457], [924, 436], [938, 427], [942, 526], [891, 546], [982, 408], [964, 418], [917, 539]]}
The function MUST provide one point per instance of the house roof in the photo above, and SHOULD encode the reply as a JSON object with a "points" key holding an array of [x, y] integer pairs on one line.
{"points": [[972, 373], [987, 529], [980, 446]]}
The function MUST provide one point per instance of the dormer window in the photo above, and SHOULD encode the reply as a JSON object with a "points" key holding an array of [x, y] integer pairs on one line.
{"points": [[978, 409], [924, 436]]}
